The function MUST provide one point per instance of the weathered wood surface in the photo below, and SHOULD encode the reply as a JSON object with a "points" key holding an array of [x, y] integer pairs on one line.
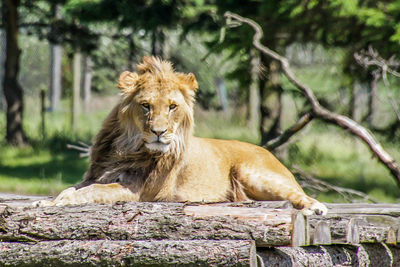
{"points": [[372, 255], [128, 253], [216, 234], [358, 224], [147, 221], [267, 223], [14, 200]]}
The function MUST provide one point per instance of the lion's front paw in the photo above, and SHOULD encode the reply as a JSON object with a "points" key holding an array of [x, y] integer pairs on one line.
{"points": [[317, 208], [43, 203]]}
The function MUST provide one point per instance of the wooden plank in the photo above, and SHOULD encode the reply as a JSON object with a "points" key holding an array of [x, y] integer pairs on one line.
{"points": [[273, 216], [364, 208], [352, 233], [300, 232], [15, 200], [391, 236], [322, 234], [129, 253]]}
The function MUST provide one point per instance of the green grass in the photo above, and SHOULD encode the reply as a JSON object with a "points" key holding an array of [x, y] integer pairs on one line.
{"points": [[31, 170], [46, 166]]}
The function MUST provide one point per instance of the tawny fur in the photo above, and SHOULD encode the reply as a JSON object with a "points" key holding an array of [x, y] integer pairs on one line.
{"points": [[146, 144]]}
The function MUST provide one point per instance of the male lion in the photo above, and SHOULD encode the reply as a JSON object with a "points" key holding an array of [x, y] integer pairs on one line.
{"points": [[145, 151]]}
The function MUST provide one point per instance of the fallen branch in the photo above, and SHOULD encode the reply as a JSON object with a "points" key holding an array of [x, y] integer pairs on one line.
{"points": [[85, 148], [288, 133], [317, 110]]}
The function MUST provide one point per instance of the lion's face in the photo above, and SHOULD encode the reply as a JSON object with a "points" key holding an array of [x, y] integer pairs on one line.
{"points": [[158, 104], [160, 112]]}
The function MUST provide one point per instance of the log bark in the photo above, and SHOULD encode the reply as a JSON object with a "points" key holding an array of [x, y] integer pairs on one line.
{"points": [[321, 256], [147, 221], [356, 223], [223, 234], [128, 253]]}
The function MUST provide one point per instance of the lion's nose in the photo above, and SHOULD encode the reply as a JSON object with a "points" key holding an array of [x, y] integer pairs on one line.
{"points": [[158, 132]]}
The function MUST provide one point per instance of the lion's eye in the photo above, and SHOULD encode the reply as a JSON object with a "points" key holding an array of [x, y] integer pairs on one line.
{"points": [[172, 107], [146, 106]]}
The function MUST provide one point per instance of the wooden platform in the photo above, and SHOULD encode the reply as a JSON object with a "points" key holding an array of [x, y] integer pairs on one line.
{"points": [[223, 234]]}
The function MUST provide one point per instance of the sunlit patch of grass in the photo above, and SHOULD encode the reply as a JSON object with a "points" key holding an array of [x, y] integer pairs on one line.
{"points": [[30, 170]]}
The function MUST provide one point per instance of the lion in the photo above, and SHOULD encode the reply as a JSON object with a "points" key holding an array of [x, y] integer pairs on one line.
{"points": [[146, 151]]}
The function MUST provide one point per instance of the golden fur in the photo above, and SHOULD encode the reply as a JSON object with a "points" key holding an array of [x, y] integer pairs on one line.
{"points": [[146, 145]]}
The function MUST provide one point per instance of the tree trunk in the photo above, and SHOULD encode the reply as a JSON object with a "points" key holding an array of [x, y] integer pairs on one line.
{"points": [[254, 93], [158, 40], [132, 51], [76, 90], [355, 111], [55, 68], [271, 106], [129, 253], [372, 95], [2, 65], [87, 82], [12, 89], [326, 256], [221, 93]]}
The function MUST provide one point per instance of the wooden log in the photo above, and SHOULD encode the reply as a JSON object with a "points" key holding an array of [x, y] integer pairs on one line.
{"points": [[15, 200], [364, 208], [128, 253], [147, 221], [350, 228], [324, 256]]}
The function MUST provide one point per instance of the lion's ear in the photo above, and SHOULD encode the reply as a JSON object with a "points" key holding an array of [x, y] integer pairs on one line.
{"points": [[127, 81], [190, 80]]}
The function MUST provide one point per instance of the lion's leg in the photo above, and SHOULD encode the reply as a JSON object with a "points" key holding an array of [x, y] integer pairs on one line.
{"points": [[94, 193], [266, 185]]}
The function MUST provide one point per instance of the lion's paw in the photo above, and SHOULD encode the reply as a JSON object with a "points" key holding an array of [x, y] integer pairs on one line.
{"points": [[43, 203], [317, 208], [66, 197]]}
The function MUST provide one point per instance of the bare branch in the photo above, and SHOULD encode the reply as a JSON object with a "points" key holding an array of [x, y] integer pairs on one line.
{"points": [[288, 133], [372, 58], [83, 148], [317, 110]]}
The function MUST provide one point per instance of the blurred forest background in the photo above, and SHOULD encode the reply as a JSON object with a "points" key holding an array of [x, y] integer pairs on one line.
{"points": [[60, 60]]}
